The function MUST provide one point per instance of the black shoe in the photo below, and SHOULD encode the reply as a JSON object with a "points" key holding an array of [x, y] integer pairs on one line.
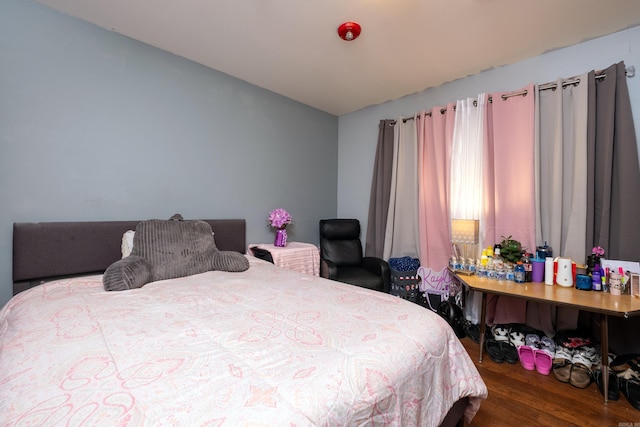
{"points": [[509, 352], [614, 385], [473, 332], [493, 349], [631, 390]]}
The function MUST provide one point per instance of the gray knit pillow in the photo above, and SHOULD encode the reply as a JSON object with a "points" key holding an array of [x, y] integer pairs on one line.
{"points": [[174, 248], [229, 261], [127, 273], [167, 249]]}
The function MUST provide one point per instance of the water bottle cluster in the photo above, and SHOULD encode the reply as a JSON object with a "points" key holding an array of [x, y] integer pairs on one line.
{"points": [[492, 266]]}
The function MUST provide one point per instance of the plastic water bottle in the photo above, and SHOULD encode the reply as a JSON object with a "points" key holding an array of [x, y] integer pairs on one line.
{"points": [[471, 265], [481, 271], [510, 273], [519, 273], [483, 258], [498, 262], [491, 272]]}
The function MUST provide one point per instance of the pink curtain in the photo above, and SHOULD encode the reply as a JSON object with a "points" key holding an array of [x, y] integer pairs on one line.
{"points": [[509, 185], [435, 135]]}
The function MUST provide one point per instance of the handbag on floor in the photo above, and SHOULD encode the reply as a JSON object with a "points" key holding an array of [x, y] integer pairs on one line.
{"points": [[452, 313]]}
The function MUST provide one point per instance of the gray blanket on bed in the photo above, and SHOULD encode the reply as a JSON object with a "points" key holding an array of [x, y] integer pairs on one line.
{"points": [[167, 249]]}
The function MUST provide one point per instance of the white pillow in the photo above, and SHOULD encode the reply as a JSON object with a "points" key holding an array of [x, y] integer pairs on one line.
{"points": [[127, 243]]}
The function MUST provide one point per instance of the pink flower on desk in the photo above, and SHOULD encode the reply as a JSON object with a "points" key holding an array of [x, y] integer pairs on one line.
{"points": [[597, 251], [279, 218]]}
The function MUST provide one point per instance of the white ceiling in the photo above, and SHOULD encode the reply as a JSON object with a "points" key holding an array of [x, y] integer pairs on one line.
{"points": [[291, 47]]}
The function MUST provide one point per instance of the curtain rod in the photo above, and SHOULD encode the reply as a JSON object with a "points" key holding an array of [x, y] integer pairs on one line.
{"points": [[628, 71]]}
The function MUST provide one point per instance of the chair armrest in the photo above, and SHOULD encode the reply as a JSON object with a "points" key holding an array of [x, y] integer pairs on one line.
{"points": [[328, 269], [379, 267]]}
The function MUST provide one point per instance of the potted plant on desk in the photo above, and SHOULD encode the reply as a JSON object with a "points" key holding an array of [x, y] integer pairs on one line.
{"points": [[510, 250]]}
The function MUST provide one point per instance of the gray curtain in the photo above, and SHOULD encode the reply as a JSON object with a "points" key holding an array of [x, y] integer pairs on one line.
{"points": [[401, 234], [380, 190], [613, 185], [614, 178], [561, 192]]}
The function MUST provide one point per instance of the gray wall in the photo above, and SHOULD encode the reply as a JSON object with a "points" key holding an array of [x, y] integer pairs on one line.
{"points": [[96, 126], [358, 131]]}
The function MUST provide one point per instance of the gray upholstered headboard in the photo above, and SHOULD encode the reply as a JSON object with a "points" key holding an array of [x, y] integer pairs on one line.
{"points": [[46, 250]]}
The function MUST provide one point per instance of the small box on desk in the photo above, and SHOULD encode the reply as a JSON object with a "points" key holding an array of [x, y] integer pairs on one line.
{"points": [[634, 285]]}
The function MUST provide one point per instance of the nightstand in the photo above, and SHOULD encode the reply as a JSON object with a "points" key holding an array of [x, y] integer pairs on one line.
{"points": [[298, 256]]}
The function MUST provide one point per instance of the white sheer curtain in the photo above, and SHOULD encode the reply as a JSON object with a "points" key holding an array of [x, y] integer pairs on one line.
{"points": [[466, 158], [401, 234], [466, 174]]}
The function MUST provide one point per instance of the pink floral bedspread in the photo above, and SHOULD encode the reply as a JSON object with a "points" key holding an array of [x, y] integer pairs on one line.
{"points": [[265, 347]]}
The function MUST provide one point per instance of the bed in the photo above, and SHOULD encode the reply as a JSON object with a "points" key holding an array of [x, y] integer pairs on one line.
{"points": [[266, 346]]}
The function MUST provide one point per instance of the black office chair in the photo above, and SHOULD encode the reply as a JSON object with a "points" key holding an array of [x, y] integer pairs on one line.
{"points": [[341, 256]]}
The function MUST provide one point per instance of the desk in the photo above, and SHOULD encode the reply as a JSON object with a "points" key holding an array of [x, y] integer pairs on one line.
{"points": [[298, 256], [595, 302]]}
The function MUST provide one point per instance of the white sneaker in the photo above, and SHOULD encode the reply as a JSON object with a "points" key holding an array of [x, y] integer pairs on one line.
{"points": [[586, 355]]}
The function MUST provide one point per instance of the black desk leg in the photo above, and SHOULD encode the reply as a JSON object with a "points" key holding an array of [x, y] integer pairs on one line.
{"points": [[604, 366], [483, 323]]}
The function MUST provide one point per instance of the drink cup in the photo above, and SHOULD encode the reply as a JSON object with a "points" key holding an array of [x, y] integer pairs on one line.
{"points": [[615, 283], [537, 271]]}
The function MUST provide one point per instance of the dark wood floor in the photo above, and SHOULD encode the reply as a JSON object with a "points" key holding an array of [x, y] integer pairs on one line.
{"points": [[518, 397]]}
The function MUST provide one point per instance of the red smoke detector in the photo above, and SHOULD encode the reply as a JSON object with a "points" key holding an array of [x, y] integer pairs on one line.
{"points": [[349, 31]]}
